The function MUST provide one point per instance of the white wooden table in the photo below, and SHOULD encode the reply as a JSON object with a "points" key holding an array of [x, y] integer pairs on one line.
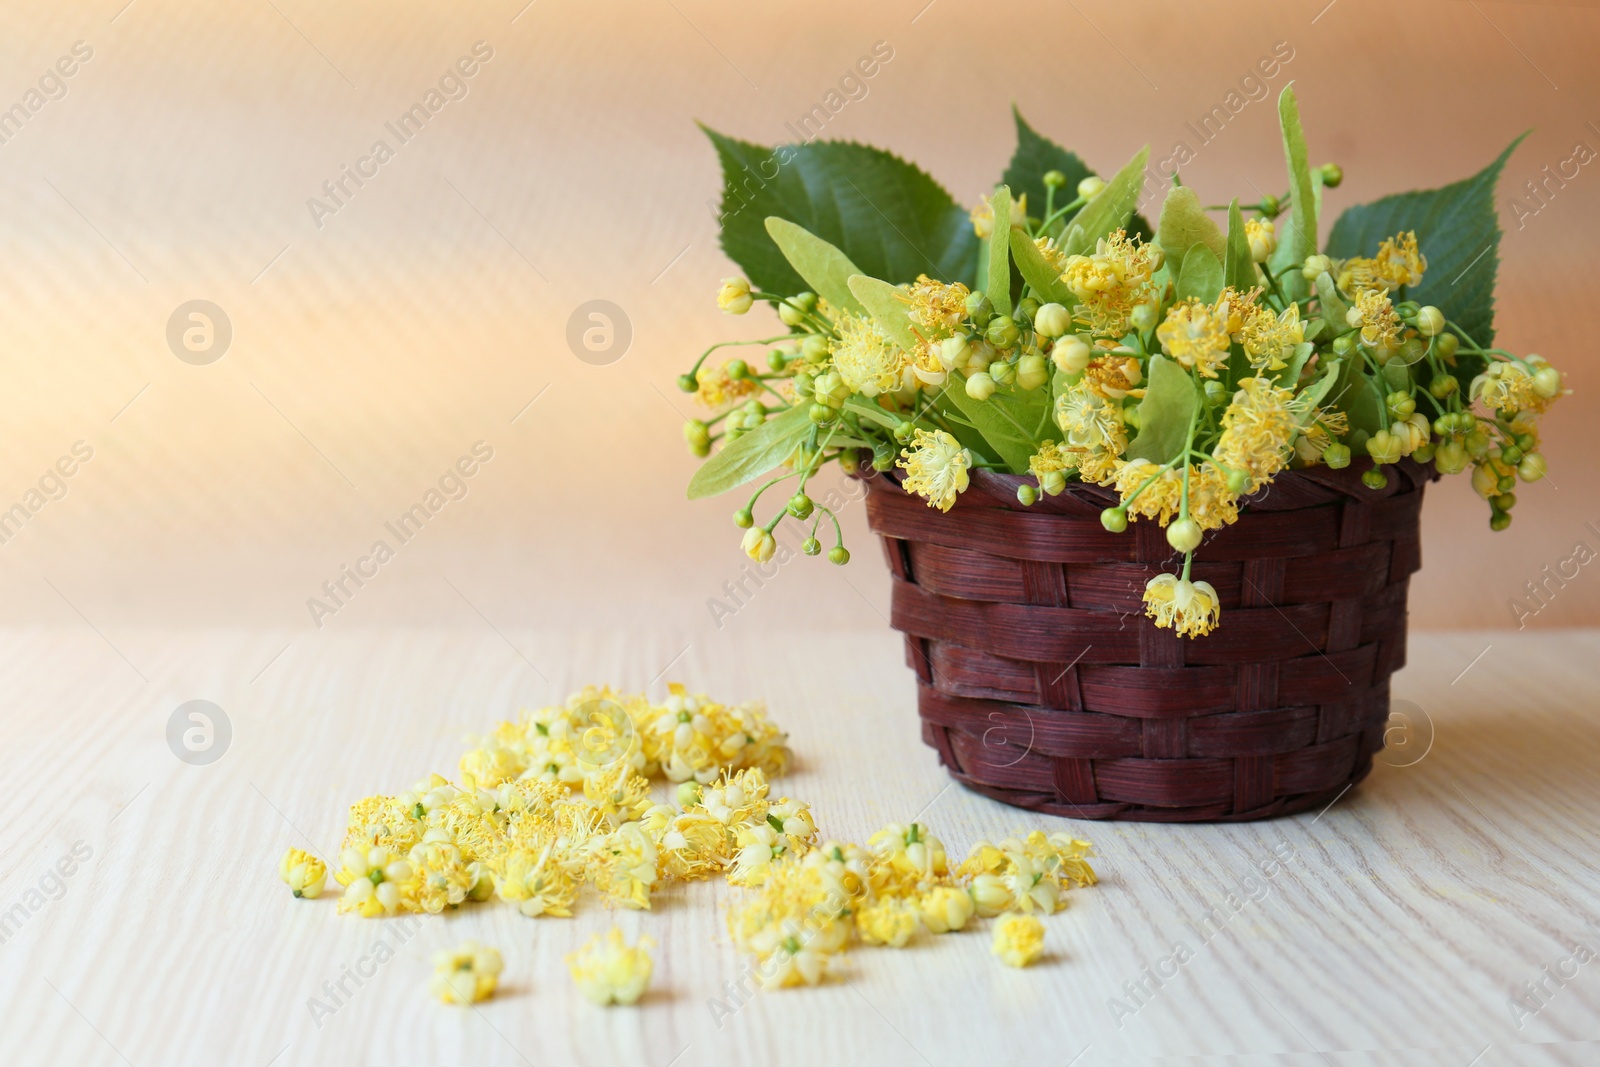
{"points": [[1406, 918]]}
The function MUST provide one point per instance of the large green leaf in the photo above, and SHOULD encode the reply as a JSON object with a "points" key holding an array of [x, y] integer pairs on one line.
{"points": [[888, 307], [753, 454], [1299, 237], [1169, 404], [1007, 420], [1200, 276], [1110, 209], [826, 269], [998, 277], [1238, 269], [1184, 224], [885, 215], [1458, 230], [1037, 271], [1036, 156]]}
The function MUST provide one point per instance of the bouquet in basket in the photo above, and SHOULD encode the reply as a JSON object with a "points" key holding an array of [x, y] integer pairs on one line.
{"points": [[1052, 332]]}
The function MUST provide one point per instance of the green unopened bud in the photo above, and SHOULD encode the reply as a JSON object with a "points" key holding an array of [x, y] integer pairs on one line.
{"points": [[1499, 520], [687, 383], [1384, 447], [1446, 344], [1270, 206], [1090, 187], [1315, 266], [1001, 332], [980, 386], [800, 506], [1114, 519], [1032, 372], [1506, 484], [979, 309], [1525, 441], [1053, 482], [1532, 467], [1407, 310], [1443, 385], [777, 360], [1344, 342], [1336, 455], [743, 519], [1451, 457], [850, 460], [790, 315], [1430, 321], [688, 794], [821, 414], [1374, 478], [1002, 372], [839, 555], [1185, 535], [1332, 175], [1052, 320], [903, 431], [1238, 481], [814, 348], [1054, 179], [1547, 382], [811, 546], [1071, 354], [1400, 405], [1505, 501], [1511, 455], [1027, 308], [1143, 317], [737, 369], [1422, 453], [698, 437], [1411, 350], [883, 455], [1026, 495], [803, 385]]}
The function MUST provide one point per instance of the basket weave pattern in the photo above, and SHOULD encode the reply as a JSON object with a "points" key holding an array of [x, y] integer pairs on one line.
{"points": [[1041, 682]]}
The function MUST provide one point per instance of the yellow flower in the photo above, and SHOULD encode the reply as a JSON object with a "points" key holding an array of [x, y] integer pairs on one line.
{"points": [[734, 296], [1111, 281], [1049, 465], [1506, 387], [1374, 314], [864, 357], [792, 963], [304, 872], [717, 389], [1211, 503], [1397, 263], [624, 866], [1160, 500], [1257, 430], [936, 468], [536, 882], [1268, 340], [983, 216], [376, 882], [611, 971], [1196, 335], [888, 922], [439, 876], [936, 308], [1411, 431], [382, 821], [468, 974], [991, 895], [759, 544], [911, 850], [1018, 939], [1190, 608], [946, 908], [1262, 237], [1087, 417]]}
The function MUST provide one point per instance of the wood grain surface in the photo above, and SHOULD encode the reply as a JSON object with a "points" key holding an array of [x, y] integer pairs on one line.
{"points": [[1395, 927]]}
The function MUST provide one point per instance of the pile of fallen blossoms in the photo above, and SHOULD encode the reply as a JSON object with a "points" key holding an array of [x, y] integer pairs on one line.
{"points": [[562, 799]]}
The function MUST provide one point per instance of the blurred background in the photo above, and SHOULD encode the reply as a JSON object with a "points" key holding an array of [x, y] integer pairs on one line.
{"points": [[377, 331]]}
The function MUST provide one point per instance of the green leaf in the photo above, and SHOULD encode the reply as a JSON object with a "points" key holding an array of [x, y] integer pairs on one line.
{"points": [[1458, 230], [1037, 271], [1356, 396], [885, 215], [1290, 373], [753, 454], [999, 276], [1200, 276], [826, 269], [1331, 306], [1034, 157], [1169, 404], [1184, 224], [888, 307], [1006, 420], [1299, 239], [1321, 387], [1110, 209], [1239, 270]]}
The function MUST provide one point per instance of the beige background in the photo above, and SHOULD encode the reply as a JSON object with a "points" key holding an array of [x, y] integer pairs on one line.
{"points": [[432, 307]]}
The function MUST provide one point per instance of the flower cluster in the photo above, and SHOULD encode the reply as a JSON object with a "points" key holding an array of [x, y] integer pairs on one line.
{"points": [[1185, 372], [810, 907]]}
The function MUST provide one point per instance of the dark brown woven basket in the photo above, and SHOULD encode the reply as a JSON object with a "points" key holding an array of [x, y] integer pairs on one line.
{"points": [[1042, 683]]}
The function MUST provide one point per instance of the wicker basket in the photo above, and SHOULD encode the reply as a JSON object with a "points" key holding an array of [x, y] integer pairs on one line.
{"points": [[1042, 684]]}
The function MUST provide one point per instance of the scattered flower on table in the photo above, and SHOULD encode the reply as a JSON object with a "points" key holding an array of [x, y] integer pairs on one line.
{"points": [[304, 873], [1018, 939], [610, 971], [466, 974]]}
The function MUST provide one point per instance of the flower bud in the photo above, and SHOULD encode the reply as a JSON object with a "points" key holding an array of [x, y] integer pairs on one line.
{"points": [[743, 519], [1484, 481], [1315, 266], [734, 297], [1032, 372], [1336, 456], [738, 370], [1262, 237], [1054, 179], [1423, 453], [1053, 482], [821, 414], [1532, 467], [687, 383], [814, 348], [1547, 382], [883, 455], [1071, 354], [1002, 372], [980, 386], [1332, 175], [1002, 331], [1446, 344], [1506, 483], [1185, 535], [698, 437], [800, 506], [790, 315], [1090, 187], [1443, 385], [1374, 478], [979, 309], [1143, 317], [758, 544], [1384, 447], [1238, 481], [1499, 520], [1451, 457], [1270, 205], [1476, 443], [839, 555], [1505, 501], [1052, 320], [1345, 341], [1511, 455], [1114, 519], [1430, 321], [1400, 405], [1027, 495], [811, 546]]}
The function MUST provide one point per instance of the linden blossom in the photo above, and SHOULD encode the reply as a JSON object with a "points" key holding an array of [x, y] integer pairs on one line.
{"points": [[453, 85]]}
